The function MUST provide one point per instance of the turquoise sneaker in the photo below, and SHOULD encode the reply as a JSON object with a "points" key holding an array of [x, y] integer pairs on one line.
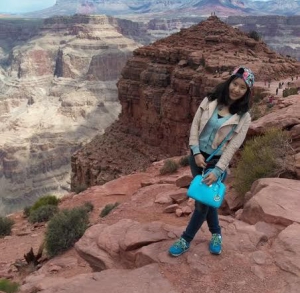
{"points": [[215, 244], [179, 247]]}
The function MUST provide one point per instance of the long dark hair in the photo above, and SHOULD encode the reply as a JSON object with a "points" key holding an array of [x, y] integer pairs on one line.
{"points": [[221, 94]]}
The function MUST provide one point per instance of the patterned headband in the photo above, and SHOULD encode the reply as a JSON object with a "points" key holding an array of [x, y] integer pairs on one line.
{"points": [[246, 74]]}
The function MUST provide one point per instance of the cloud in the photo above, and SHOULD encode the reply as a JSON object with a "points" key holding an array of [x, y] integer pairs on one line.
{"points": [[17, 6]]}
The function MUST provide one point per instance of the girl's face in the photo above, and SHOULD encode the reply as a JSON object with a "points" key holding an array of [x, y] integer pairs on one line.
{"points": [[237, 89]]}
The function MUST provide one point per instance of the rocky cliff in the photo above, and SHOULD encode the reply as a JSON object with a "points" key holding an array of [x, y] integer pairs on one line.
{"points": [[57, 91], [281, 33], [160, 90]]}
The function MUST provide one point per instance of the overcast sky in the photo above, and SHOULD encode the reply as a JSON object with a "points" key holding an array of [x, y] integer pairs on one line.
{"points": [[20, 6]]}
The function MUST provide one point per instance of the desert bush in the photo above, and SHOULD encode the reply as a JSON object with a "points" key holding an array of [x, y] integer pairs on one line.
{"points": [[26, 211], [255, 112], [263, 156], [8, 286], [107, 209], [43, 213], [258, 95], [169, 167], [254, 35], [289, 91], [64, 229], [79, 188], [89, 206], [45, 200], [184, 161], [5, 226]]}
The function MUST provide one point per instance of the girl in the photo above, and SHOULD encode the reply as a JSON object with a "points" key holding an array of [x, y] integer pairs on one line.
{"points": [[225, 108]]}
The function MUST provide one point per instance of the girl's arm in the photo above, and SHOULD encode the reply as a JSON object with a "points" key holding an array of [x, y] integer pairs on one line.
{"points": [[194, 132]]}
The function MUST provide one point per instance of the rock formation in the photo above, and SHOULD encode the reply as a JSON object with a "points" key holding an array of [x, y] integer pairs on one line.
{"points": [[57, 91], [160, 90], [281, 33]]}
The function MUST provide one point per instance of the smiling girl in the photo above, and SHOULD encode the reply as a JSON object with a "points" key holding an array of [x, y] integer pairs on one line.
{"points": [[223, 110]]}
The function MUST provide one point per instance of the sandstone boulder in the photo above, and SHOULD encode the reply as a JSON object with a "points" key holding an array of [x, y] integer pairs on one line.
{"points": [[119, 245], [286, 249], [273, 200]]}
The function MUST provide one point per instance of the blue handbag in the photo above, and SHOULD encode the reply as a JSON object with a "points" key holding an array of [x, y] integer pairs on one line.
{"points": [[211, 195]]}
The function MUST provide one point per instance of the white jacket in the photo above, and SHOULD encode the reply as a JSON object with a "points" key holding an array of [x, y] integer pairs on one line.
{"points": [[202, 116]]}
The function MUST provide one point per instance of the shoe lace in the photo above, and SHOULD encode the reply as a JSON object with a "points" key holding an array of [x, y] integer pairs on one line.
{"points": [[216, 240], [181, 243]]}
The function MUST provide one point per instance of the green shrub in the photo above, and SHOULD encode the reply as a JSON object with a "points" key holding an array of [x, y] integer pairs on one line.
{"points": [[255, 112], [108, 208], [45, 200], [43, 213], [5, 226], [8, 286], [26, 212], [64, 229], [289, 91], [263, 156], [258, 95], [79, 188], [184, 161], [88, 206], [169, 167], [254, 35]]}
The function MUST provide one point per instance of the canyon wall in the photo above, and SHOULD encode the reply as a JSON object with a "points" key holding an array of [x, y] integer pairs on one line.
{"points": [[281, 33], [57, 91]]}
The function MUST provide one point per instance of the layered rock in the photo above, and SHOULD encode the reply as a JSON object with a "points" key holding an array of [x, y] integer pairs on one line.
{"points": [[16, 30], [160, 90], [281, 33], [56, 93]]}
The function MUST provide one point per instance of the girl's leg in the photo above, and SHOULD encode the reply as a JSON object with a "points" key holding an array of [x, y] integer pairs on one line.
{"points": [[212, 217], [200, 214], [196, 221], [213, 221], [200, 211]]}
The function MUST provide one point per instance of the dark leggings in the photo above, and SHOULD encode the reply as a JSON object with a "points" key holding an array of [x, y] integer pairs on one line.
{"points": [[202, 212]]}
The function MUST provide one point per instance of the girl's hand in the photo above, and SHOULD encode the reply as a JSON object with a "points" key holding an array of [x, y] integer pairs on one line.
{"points": [[200, 161], [210, 178]]}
